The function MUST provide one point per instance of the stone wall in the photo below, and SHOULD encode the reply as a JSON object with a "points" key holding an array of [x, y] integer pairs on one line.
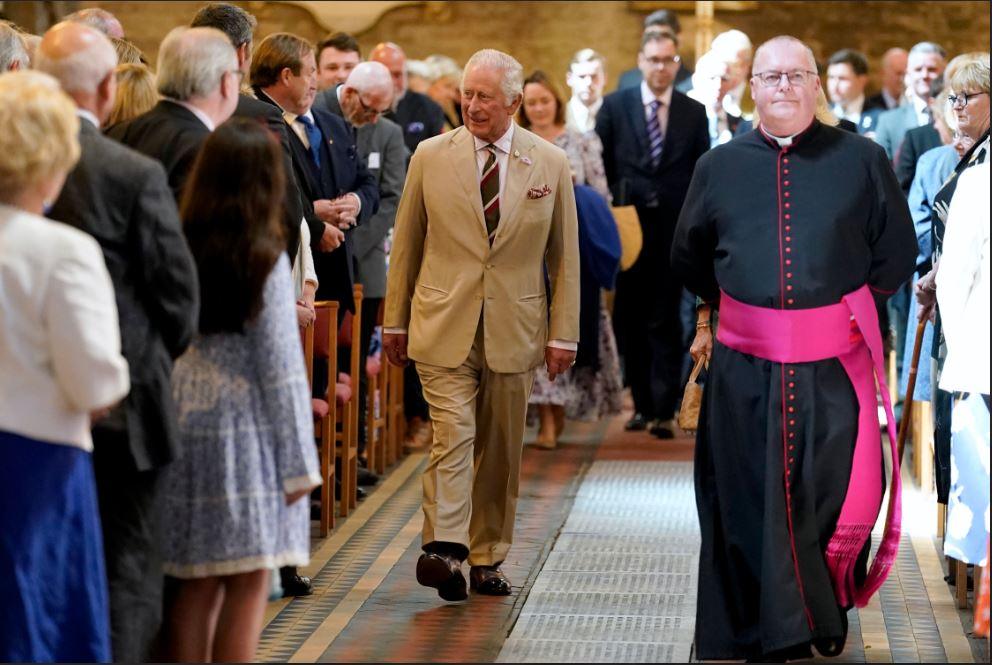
{"points": [[545, 34]]}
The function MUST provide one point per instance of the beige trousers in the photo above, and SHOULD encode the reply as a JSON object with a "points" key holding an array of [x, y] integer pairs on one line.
{"points": [[473, 474]]}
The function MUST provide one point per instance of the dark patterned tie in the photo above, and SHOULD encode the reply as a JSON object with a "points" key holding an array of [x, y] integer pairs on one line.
{"points": [[490, 192], [314, 137], [655, 139]]}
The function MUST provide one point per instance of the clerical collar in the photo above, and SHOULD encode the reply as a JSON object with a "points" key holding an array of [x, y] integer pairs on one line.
{"points": [[785, 141]]}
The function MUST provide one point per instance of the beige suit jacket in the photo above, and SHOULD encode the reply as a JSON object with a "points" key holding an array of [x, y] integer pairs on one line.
{"points": [[443, 275]]}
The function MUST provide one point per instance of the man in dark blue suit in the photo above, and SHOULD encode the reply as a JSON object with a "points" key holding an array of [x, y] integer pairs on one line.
{"points": [[652, 136], [847, 76], [337, 188], [666, 21]]}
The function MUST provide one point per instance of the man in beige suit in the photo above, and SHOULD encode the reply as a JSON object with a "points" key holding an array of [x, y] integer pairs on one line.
{"points": [[485, 209]]}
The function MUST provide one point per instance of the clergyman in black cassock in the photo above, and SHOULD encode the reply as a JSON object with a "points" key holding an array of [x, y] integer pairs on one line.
{"points": [[790, 226]]}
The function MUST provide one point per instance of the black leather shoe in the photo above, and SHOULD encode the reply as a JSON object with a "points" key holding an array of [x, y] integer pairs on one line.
{"points": [[297, 585], [489, 580], [444, 573], [636, 424], [366, 477], [661, 429]]}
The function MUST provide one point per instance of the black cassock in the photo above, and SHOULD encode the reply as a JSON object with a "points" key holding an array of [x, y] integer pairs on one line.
{"points": [[787, 228]]}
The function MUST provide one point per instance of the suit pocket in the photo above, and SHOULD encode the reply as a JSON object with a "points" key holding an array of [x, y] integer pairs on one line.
{"points": [[536, 296], [432, 290]]}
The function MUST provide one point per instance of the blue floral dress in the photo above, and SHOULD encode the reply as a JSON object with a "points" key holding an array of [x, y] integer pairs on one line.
{"points": [[247, 434]]}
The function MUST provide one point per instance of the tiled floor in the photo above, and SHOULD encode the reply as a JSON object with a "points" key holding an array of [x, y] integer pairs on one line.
{"points": [[603, 567]]}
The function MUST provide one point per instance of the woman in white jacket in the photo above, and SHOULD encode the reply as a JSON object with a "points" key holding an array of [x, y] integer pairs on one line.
{"points": [[60, 366], [963, 299]]}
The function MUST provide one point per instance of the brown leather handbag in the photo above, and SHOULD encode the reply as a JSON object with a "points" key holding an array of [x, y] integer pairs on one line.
{"points": [[692, 398]]}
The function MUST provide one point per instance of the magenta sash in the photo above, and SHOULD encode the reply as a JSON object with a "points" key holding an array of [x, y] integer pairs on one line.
{"points": [[848, 331]]}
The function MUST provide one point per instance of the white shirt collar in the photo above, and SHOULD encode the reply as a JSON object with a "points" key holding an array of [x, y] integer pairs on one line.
{"points": [[852, 110], [782, 141], [918, 106], [86, 115], [203, 117], [291, 117], [502, 144], [647, 96]]}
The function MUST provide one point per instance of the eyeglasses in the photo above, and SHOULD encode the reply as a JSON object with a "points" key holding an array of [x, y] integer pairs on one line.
{"points": [[369, 110], [664, 62], [960, 101], [772, 79]]}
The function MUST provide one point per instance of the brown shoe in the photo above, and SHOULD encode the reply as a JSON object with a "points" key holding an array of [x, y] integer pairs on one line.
{"points": [[489, 580], [444, 573]]}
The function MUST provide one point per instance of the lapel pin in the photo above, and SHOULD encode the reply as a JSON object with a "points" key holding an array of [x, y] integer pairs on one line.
{"points": [[516, 153]]}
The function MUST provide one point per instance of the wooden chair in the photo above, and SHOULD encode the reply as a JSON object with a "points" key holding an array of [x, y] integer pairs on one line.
{"points": [[376, 416], [347, 437], [321, 341]]}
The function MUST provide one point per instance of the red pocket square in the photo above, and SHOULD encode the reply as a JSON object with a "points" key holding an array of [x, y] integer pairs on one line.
{"points": [[538, 192]]}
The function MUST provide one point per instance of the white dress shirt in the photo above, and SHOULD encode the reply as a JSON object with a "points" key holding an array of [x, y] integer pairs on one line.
{"points": [[60, 344], [963, 285], [502, 146], [580, 117], [852, 111], [647, 97], [922, 111], [89, 117]]}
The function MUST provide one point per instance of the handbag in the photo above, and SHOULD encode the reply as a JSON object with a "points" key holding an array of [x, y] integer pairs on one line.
{"points": [[631, 237], [692, 398]]}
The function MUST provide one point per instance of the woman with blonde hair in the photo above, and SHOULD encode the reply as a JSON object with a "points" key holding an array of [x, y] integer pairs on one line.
{"points": [[136, 93], [60, 369]]}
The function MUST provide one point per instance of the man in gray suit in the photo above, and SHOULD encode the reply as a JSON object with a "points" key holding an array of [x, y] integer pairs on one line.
{"points": [[361, 100], [122, 199], [926, 62]]}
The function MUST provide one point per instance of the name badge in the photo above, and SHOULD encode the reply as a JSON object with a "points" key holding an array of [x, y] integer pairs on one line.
{"points": [[374, 160]]}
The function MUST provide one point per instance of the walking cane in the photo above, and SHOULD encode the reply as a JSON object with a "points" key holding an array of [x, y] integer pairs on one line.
{"points": [[907, 404]]}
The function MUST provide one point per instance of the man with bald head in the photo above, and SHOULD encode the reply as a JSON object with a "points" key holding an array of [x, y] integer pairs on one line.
{"points": [[122, 199], [361, 100], [419, 116], [894, 63], [199, 79], [98, 19], [797, 231]]}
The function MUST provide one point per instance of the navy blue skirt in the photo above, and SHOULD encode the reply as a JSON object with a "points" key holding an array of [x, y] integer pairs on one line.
{"points": [[53, 587]]}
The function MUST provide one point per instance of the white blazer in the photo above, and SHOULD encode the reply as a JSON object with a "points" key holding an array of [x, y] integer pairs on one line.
{"points": [[60, 346], [963, 285]]}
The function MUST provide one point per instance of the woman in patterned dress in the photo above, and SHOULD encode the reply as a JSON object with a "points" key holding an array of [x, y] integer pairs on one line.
{"points": [[584, 392], [232, 507]]}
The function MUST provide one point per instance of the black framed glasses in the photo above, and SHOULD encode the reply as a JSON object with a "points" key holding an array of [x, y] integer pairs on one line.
{"points": [[961, 100], [771, 79]]}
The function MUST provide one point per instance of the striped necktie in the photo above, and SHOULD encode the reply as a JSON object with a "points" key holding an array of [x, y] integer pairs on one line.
{"points": [[490, 192], [655, 139]]}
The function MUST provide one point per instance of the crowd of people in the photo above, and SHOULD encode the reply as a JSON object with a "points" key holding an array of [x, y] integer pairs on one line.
{"points": [[165, 234]]}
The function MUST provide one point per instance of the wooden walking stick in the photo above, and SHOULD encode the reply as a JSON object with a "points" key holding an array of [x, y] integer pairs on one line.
{"points": [[907, 404]]}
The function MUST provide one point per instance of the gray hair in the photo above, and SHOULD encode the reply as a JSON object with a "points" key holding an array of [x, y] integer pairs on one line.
{"points": [[441, 66], [787, 39], [84, 70], [928, 47], [98, 19], [512, 79], [731, 42], [368, 76], [12, 49], [192, 62]]}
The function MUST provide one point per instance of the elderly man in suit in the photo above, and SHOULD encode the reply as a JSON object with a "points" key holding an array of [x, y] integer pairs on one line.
{"points": [[122, 199], [926, 62], [652, 136], [198, 79], [361, 100], [419, 116], [239, 26], [488, 210], [338, 190]]}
